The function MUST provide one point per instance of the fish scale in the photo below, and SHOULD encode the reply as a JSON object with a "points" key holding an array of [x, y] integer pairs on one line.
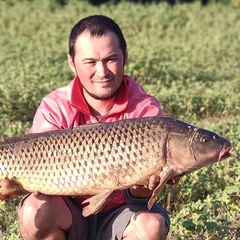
{"points": [[99, 159], [82, 147]]}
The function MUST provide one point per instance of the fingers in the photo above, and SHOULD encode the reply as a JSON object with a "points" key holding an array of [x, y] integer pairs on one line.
{"points": [[36, 193], [151, 184], [174, 180], [153, 181]]}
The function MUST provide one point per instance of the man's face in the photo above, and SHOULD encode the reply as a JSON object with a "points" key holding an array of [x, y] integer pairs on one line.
{"points": [[99, 64]]}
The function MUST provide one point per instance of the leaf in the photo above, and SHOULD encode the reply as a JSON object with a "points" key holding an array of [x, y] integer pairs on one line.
{"points": [[189, 224], [212, 226], [232, 189], [2, 206]]}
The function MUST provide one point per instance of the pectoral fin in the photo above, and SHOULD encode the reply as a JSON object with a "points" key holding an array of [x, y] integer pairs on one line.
{"points": [[168, 174], [11, 189], [96, 203]]}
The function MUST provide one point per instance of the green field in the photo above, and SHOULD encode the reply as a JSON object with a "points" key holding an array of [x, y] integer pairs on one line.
{"points": [[187, 55]]}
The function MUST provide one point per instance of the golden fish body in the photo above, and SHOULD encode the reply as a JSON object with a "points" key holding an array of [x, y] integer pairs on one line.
{"points": [[93, 159], [82, 160]]}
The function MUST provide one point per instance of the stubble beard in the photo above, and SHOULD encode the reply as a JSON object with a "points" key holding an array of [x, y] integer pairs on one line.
{"points": [[102, 97]]}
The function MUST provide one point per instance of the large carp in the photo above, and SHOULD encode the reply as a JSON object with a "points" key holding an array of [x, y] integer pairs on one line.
{"points": [[100, 159]]}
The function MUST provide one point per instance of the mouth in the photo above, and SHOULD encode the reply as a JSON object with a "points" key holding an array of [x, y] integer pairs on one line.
{"points": [[102, 81], [224, 153]]}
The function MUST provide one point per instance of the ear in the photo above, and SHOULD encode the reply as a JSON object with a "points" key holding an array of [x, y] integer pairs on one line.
{"points": [[71, 64], [126, 57]]}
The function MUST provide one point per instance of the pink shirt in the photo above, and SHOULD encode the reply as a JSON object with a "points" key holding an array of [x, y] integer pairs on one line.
{"points": [[66, 107]]}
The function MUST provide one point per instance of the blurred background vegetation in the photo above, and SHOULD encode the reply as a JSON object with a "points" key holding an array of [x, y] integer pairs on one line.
{"points": [[186, 53]]}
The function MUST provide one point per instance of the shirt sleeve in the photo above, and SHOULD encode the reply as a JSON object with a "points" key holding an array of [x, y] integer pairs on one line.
{"points": [[140, 103], [151, 108], [46, 119]]}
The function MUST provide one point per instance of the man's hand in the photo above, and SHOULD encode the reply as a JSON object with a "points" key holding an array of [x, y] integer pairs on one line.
{"points": [[139, 191], [174, 180]]}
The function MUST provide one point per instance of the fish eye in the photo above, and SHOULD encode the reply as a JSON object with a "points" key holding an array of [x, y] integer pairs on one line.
{"points": [[204, 138]]}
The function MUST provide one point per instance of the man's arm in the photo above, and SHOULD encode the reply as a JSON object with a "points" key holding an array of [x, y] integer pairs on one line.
{"points": [[46, 117]]}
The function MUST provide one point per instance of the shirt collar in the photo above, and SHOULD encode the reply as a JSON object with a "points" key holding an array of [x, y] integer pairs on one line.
{"points": [[78, 101]]}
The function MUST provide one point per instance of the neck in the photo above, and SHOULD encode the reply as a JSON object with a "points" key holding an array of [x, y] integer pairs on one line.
{"points": [[99, 107]]}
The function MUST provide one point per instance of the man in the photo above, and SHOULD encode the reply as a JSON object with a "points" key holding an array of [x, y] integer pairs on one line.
{"points": [[100, 92]]}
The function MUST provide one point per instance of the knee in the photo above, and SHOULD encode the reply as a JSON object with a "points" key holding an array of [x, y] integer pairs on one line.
{"points": [[35, 209], [39, 215], [151, 225]]}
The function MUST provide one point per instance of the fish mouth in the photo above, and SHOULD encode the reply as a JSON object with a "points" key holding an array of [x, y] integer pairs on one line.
{"points": [[225, 152]]}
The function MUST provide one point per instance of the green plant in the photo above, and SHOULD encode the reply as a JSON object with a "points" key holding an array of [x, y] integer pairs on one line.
{"points": [[187, 56]]}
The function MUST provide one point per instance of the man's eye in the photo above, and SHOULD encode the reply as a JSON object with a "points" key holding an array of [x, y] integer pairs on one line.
{"points": [[112, 59], [90, 63]]}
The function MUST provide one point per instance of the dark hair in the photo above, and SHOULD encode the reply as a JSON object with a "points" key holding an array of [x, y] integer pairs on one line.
{"points": [[97, 25]]}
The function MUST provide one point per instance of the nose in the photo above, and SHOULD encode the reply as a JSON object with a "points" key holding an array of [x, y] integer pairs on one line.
{"points": [[101, 69]]}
